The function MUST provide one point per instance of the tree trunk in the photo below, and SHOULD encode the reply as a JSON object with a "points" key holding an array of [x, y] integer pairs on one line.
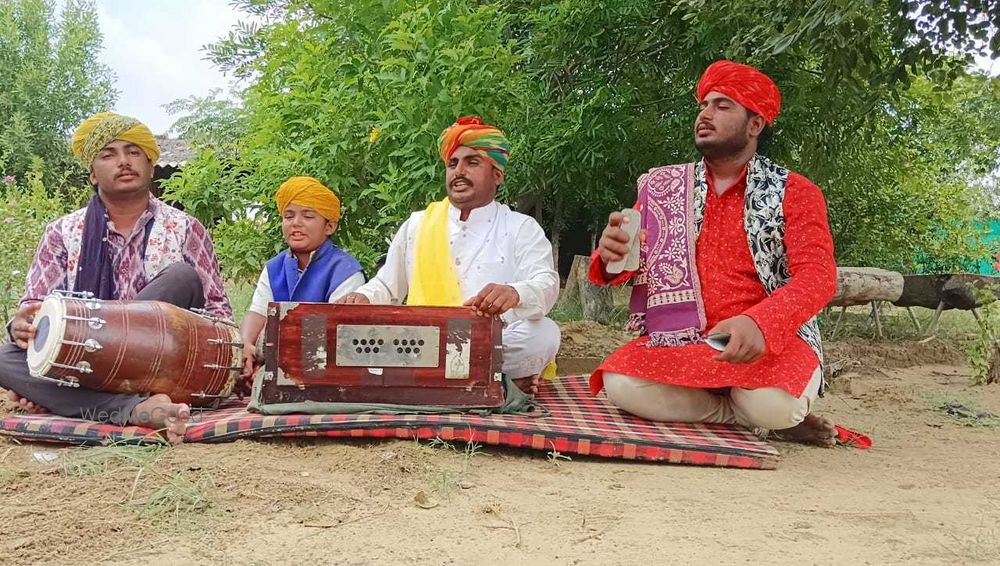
{"points": [[570, 295], [993, 374], [596, 300], [556, 236], [862, 285]]}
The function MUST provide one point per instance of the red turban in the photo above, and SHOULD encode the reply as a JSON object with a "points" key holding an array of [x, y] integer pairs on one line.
{"points": [[749, 87]]}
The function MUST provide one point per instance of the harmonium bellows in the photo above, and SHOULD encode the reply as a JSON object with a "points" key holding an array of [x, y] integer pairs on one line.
{"points": [[403, 355]]}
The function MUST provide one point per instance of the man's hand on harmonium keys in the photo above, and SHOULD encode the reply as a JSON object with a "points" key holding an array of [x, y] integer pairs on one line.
{"points": [[494, 300]]}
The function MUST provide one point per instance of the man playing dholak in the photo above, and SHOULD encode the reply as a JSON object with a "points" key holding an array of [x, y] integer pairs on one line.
{"points": [[733, 244], [125, 245], [470, 250]]}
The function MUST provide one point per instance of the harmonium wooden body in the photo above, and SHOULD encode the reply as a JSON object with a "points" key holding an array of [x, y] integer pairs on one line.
{"points": [[403, 355]]}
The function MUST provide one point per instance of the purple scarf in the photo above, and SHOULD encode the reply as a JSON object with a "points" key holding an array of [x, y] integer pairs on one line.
{"points": [[666, 298], [95, 273]]}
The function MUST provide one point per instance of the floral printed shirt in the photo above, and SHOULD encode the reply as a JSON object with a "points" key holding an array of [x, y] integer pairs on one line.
{"points": [[173, 237]]}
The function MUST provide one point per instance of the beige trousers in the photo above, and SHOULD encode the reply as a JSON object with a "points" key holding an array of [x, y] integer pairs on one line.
{"points": [[768, 407]]}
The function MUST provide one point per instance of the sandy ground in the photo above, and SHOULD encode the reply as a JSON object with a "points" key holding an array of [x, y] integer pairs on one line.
{"points": [[926, 494]]}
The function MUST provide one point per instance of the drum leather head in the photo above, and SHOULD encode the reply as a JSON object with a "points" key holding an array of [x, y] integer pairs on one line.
{"points": [[50, 327]]}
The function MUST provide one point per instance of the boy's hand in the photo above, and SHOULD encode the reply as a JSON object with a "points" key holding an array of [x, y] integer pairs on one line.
{"points": [[353, 299], [245, 383]]}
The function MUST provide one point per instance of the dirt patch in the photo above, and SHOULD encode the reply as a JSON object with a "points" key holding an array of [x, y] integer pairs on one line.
{"points": [[586, 339], [360, 502], [893, 353]]}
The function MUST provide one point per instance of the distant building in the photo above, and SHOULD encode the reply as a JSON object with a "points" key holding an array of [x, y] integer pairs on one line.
{"points": [[174, 153]]}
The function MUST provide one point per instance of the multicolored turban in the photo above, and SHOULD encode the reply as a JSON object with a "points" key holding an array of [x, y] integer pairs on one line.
{"points": [[471, 132], [105, 127], [749, 87], [307, 191]]}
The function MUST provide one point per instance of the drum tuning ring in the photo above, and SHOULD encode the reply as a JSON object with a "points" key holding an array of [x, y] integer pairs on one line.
{"points": [[93, 322], [90, 345], [82, 367], [220, 342], [58, 382], [207, 315], [217, 366], [66, 294]]}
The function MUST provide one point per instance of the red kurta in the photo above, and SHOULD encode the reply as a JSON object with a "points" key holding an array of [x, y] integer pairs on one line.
{"points": [[730, 286]]}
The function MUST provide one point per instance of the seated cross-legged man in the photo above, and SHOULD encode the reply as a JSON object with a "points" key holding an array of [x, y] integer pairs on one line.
{"points": [[124, 245], [312, 269], [731, 245], [470, 250]]}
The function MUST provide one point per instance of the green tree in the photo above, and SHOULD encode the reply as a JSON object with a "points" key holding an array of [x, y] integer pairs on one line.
{"points": [[209, 122], [52, 81], [878, 111], [355, 94]]}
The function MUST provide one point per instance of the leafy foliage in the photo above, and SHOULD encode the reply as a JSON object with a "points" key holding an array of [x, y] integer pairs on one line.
{"points": [[879, 111], [209, 121], [52, 81], [25, 209]]}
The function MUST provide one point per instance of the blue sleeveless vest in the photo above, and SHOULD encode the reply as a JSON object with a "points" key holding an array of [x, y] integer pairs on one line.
{"points": [[329, 267]]}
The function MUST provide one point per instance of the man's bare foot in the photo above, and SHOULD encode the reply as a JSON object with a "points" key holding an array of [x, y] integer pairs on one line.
{"points": [[528, 384], [160, 413], [25, 405], [814, 429]]}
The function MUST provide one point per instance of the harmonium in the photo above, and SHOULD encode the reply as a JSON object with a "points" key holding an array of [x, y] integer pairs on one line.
{"points": [[401, 355]]}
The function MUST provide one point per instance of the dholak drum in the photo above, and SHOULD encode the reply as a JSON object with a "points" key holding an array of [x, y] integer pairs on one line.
{"points": [[135, 347]]}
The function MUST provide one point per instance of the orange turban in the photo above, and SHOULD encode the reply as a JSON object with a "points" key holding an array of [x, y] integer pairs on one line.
{"points": [[471, 132], [749, 87], [307, 191]]}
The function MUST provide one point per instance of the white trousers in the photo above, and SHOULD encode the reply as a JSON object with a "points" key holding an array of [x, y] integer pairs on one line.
{"points": [[771, 408], [528, 346]]}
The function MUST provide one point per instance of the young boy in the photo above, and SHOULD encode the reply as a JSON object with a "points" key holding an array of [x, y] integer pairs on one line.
{"points": [[312, 269]]}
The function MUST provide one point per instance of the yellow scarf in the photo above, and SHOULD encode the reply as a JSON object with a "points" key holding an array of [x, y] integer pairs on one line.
{"points": [[435, 282]]}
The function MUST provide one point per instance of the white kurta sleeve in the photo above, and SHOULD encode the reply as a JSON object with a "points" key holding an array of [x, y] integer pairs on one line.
{"points": [[536, 279], [390, 285], [262, 294], [351, 284]]}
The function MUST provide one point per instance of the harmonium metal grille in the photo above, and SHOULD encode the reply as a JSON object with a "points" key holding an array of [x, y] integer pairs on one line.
{"points": [[445, 356]]}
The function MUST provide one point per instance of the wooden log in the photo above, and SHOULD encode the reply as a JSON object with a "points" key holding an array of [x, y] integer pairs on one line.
{"points": [[862, 285], [922, 290], [968, 291]]}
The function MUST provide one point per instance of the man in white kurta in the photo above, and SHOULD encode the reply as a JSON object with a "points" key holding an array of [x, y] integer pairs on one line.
{"points": [[502, 259]]}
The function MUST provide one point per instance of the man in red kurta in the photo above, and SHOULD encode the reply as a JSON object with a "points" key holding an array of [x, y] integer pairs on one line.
{"points": [[764, 267]]}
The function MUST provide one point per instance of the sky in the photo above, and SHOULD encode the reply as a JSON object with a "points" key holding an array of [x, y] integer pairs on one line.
{"points": [[154, 48]]}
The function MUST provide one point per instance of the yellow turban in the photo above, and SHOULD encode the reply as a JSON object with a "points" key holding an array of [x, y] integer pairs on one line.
{"points": [[103, 128], [307, 191]]}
